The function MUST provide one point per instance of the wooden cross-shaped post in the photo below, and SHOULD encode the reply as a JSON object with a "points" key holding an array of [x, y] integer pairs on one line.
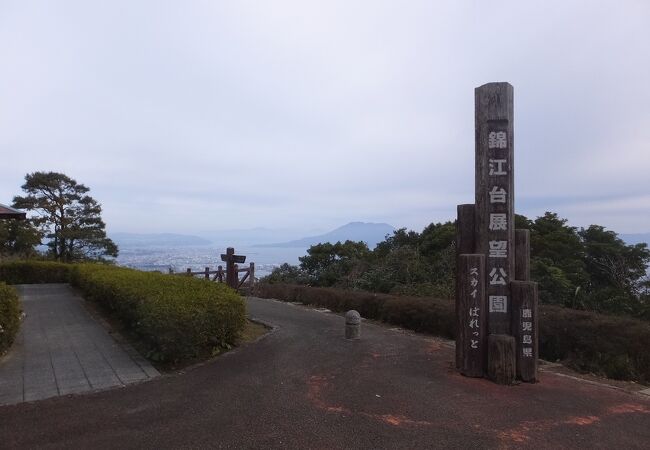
{"points": [[232, 277]]}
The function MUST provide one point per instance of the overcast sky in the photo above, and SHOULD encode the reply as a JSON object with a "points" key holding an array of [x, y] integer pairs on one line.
{"points": [[188, 116]]}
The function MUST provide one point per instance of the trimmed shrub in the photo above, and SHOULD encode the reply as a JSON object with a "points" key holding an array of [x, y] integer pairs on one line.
{"points": [[612, 346], [34, 272], [177, 318], [9, 316]]}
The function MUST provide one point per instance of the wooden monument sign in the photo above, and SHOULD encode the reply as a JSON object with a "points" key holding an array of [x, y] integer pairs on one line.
{"points": [[231, 260], [496, 303]]}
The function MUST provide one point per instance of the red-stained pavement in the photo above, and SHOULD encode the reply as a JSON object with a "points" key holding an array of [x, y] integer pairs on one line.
{"points": [[304, 386]]}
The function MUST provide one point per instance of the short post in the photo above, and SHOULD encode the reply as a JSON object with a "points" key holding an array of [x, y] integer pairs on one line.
{"points": [[522, 255], [524, 327], [220, 274], [464, 245], [352, 325], [501, 358], [207, 273], [251, 275], [471, 316], [234, 280], [189, 272]]}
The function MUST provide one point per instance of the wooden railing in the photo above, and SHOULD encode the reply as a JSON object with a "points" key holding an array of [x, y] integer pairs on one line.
{"points": [[219, 275]]}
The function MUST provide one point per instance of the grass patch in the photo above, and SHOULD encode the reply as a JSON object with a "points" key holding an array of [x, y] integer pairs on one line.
{"points": [[252, 332]]}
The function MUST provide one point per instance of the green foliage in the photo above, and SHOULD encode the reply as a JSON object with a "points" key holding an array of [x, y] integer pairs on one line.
{"points": [[588, 268], [407, 262], [612, 346], [287, 273], [615, 347], [9, 316], [34, 272], [329, 264], [18, 238], [71, 219], [177, 318]]}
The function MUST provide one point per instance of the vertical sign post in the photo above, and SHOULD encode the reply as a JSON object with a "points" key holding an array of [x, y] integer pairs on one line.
{"points": [[501, 340], [494, 224]]}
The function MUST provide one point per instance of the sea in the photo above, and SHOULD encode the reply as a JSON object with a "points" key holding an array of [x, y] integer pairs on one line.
{"points": [[179, 259]]}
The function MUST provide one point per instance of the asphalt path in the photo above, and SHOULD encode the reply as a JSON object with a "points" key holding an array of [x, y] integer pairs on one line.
{"points": [[304, 386]]}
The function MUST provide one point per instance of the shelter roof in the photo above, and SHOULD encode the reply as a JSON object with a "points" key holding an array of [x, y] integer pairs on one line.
{"points": [[7, 212]]}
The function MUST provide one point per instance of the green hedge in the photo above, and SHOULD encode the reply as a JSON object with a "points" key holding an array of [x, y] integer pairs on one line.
{"points": [[34, 272], [9, 316], [177, 318], [612, 346]]}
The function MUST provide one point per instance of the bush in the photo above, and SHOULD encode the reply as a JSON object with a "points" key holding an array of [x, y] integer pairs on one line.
{"points": [[9, 316], [34, 272], [612, 346], [177, 318]]}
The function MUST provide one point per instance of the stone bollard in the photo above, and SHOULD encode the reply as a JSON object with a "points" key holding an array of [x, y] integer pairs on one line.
{"points": [[352, 325]]}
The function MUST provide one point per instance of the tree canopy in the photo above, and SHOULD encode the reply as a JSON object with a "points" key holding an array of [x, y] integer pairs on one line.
{"points": [[69, 218], [587, 268]]}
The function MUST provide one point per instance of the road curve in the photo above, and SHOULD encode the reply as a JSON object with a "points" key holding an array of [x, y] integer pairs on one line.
{"points": [[304, 386]]}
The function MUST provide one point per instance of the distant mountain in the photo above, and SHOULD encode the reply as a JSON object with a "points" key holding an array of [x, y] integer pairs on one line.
{"points": [[637, 238], [157, 240], [370, 233]]}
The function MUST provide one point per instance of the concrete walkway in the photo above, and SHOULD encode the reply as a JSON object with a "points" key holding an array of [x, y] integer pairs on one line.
{"points": [[61, 350]]}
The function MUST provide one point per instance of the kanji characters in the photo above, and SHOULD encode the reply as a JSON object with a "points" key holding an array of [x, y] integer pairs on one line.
{"points": [[497, 139], [498, 249], [498, 221], [497, 195], [498, 303], [496, 167], [498, 277]]}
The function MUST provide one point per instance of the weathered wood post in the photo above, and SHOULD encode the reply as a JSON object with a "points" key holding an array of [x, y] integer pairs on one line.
{"points": [[232, 276], [220, 274], [486, 230], [495, 231], [189, 272], [230, 268], [501, 358], [522, 255], [524, 326], [251, 275], [207, 273], [471, 325], [464, 245]]}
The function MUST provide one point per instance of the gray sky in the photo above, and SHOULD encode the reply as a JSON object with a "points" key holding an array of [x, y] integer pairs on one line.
{"points": [[189, 116]]}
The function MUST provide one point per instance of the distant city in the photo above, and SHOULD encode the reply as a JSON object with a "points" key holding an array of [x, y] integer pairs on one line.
{"points": [[178, 252]]}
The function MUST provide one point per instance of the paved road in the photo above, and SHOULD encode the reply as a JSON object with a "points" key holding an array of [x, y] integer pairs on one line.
{"points": [[304, 386], [61, 350]]}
